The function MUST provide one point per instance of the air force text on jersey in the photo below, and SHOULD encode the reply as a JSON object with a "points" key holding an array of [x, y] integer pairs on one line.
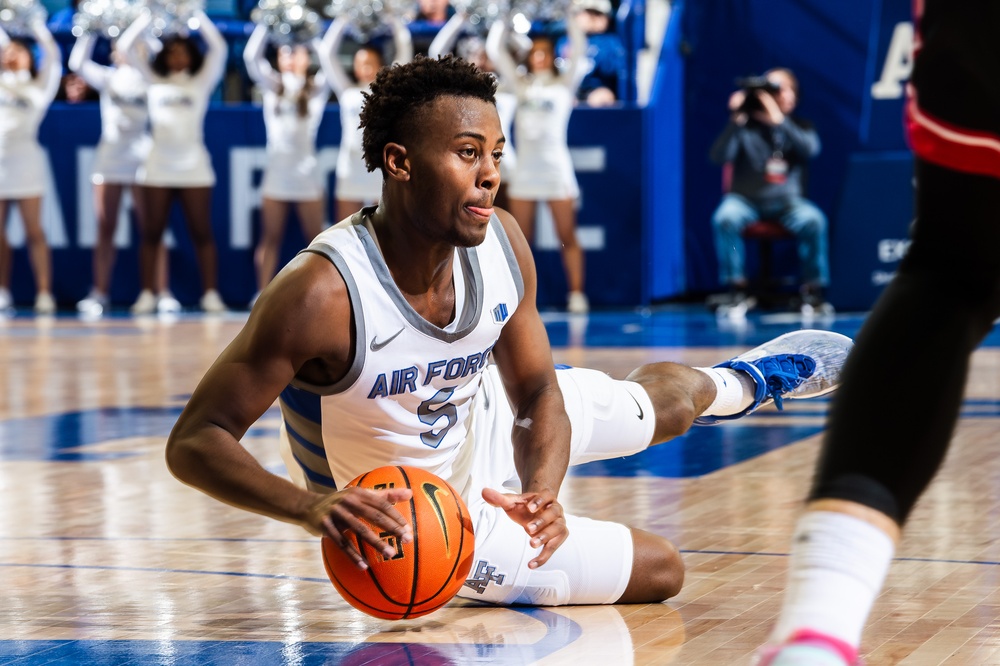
{"points": [[404, 380]]}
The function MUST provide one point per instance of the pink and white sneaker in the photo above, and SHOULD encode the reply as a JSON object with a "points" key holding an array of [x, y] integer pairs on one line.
{"points": [[809, 648]]}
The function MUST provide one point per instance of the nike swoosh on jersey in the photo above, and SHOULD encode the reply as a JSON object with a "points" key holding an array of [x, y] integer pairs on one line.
{"points": [[377, 344]]}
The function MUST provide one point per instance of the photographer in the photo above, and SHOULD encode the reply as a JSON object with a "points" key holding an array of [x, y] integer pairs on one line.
{"points": [[767, 152]]}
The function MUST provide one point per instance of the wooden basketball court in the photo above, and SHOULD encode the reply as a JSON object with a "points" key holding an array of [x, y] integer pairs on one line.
{"points": [[106, 559]]}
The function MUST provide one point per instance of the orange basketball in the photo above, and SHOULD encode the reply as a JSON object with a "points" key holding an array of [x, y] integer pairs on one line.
{"points": [[424, 574]]}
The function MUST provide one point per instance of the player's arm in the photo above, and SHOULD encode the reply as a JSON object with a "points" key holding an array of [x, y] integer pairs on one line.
{"points": [[289, 326], [541, 433]]}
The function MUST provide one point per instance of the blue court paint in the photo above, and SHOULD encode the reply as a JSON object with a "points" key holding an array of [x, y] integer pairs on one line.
{"points": [[65, 437], [701, 451], [560, 631]]}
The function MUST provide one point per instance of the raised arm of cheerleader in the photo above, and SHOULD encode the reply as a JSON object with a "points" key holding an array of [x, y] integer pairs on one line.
{"points": [[50, 73], [320, 87], [128, 46], [81, 61], [576, 68], [329, 62], [258, 67], [402, 39], [444, 40], [215, 55], [496, 51]]}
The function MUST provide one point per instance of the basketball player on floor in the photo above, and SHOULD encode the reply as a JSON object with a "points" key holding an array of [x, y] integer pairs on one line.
{"points": [[408, 334], [873, 468]]}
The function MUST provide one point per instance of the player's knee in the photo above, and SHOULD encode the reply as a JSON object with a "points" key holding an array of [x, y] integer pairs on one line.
{"points": [[669, 388], [657, 570], [675, 418]]}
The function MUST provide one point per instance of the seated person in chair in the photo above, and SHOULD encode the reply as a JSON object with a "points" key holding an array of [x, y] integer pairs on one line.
{"points": [[768, 151]]}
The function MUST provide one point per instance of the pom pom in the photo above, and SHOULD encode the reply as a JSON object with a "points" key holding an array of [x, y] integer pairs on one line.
{"points": [[105, 17], [482, 13], [541, 10], [174, 17], [367, 17], [17, 16], [287, 21]]}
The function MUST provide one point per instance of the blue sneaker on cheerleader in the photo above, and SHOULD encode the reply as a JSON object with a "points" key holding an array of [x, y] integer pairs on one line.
{"points": [[793, 366]]}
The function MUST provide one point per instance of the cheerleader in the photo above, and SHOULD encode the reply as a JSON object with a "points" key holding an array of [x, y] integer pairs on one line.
{"points": [[356, 186], [123, 147], [545, 169], [294, 102], [473, 49], [25, 94], [178, 167]]}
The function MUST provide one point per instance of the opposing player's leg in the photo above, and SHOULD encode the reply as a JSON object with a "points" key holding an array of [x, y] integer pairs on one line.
{"points": [[872, 470]]}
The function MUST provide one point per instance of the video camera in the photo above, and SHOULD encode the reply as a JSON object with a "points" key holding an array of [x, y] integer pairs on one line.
{"points": [[751, 85]]}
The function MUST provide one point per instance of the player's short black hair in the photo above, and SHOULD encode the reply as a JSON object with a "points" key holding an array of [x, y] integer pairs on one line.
{"points": [[389, 111]]}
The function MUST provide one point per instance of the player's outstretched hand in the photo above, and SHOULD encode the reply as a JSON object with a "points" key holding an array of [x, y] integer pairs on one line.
{"points": [[335, 514], [540, 514]]}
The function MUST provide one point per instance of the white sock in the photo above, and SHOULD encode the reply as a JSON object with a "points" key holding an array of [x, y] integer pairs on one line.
{"points": [[733, 391], [837, 569]]}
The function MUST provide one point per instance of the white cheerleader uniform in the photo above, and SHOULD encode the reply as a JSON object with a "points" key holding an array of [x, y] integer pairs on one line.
{"points": [[178, 103], [544, 167], [545, 101], [23, 103], [292, 170], [506, 109], [125, 139], [444, 42], [416, 394], [354, 181]]}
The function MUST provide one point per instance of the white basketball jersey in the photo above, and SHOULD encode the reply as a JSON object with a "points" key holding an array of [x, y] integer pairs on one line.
{"points": [[407, 396]]}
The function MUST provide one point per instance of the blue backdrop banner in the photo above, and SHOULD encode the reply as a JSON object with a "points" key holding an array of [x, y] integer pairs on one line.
{"points": [[606, 145], [852, 60]]}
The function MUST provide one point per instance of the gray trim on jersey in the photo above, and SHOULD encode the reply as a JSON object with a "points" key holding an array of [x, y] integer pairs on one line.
{"points": [[357, 363], [473, 308], [508, 251]]}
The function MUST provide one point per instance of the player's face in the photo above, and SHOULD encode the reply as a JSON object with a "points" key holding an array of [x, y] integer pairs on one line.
{"points": [[293, 59], [366, 65], [455, 169], [15, 58]]}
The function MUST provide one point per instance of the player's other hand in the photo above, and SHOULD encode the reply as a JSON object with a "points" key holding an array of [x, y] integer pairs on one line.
{"points": [[353, 509], [540, 514]]}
